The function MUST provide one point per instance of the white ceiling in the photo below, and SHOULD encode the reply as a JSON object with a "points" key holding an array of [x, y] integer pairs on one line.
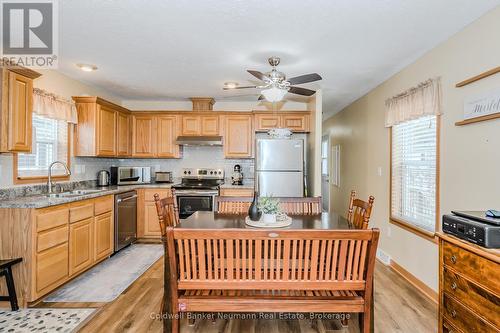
{"points": [[171, 50]]}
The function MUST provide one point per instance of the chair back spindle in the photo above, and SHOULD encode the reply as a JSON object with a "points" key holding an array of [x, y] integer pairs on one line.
{"points": [[359, 211], [168, 213]]}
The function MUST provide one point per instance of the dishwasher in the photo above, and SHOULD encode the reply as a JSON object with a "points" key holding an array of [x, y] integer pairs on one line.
{"points": [[125, 219]]}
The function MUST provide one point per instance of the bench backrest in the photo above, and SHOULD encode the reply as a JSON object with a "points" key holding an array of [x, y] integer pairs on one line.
{"points": [[272, 259], [292, 206]]}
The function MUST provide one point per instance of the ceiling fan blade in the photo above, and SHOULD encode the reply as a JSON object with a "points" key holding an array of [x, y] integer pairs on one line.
{"points": [[261, 98], [305, 78], [301, 91], [244, 87], [258, 75]]}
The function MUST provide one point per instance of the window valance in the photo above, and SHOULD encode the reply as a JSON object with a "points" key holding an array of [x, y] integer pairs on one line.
{"points": [[422, 100], [52, 106]]}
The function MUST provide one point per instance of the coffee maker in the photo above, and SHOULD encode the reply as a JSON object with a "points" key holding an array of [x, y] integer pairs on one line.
{"points": [[237, 176]]}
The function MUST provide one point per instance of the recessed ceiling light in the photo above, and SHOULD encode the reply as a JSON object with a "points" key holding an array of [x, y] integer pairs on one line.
{"points": [[87, 67], [231, 85]]}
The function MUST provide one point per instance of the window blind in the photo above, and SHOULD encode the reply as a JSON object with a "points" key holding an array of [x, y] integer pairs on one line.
{"points": [[414, 158], [50, 143]]}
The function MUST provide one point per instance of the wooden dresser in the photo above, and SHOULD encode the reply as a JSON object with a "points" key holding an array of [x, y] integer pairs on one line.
{"points": [[469, 287]]}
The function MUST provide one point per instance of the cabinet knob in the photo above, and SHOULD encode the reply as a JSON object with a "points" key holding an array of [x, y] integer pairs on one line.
{"points": [[454, 286], [453, 259], [453, 313]]}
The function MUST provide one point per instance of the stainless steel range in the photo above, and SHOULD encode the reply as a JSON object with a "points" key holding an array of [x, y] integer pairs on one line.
{"points": [[197, 190]]}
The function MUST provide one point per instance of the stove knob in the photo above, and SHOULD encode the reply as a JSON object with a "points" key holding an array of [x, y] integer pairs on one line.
{"points": [[220, 172], [189, 172], [211, 172], [185, 172]]}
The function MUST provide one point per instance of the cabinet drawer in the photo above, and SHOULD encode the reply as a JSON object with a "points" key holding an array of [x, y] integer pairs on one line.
{"points": [[463, 319], [50, 238], [51, 217], [150, 192], [236, 192], [51, 267], [297, 123], [81, 210], [103, 205], [476, 268], [477, 299]]}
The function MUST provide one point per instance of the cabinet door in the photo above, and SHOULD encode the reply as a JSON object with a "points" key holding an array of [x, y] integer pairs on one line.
{"points": [[20, 109], [51, 268], [264, 122], [106, 132], [103, 236], [80, 246], [191, 125], [167, 134], [123, 134], [143, 136], [209, 125], [238, 136], [151, 224], [297, 123]]}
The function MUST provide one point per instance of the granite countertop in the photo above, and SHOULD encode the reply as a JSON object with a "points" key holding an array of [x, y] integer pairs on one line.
{"points": [[247, 183], [41, 200]]}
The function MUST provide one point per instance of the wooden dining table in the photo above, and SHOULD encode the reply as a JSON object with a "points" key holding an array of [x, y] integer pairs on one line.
{"points": [[212, 220]]}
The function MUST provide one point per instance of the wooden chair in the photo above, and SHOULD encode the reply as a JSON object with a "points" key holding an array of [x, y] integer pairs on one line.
{"points": [[6, 270], [359, 211], [168, 213], [292, 206], [247, 270]]}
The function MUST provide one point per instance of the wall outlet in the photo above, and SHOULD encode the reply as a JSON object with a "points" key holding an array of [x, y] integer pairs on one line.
{"points": [[379, 171], [383, 257]]}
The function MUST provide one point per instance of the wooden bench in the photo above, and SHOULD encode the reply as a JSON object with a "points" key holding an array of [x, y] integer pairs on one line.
{"points": [[247, 270], [292, 206]]}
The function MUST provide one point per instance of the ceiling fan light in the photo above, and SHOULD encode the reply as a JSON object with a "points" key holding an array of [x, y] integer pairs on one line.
{"points": [[274, 94]]}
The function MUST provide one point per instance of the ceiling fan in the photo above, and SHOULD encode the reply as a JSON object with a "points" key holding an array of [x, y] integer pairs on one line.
{"points": [[275, 85]]}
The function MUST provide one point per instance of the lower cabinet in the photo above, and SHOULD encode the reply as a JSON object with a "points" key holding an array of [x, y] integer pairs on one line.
{"points": [[51, 268], [103, 235], [147, 217], [80, 246]]}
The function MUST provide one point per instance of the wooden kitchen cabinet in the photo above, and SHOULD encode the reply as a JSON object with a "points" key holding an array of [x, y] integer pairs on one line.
{"points": [[147, 217], [144, 138], [81, 253], [167, 134], [16, 95], [196, 125], [238, 136], [103, 236], [123, 134], [296, 121], [97, 132], [51, 268]]}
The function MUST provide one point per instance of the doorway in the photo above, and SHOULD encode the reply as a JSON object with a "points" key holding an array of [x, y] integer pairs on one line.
{"points": [[325, 173]]}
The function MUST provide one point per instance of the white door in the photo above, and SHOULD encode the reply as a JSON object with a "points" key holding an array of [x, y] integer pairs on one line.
{"points": [[325, 173]]}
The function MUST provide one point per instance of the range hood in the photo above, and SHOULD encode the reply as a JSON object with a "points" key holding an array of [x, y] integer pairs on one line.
{"points": [[199, 140]]}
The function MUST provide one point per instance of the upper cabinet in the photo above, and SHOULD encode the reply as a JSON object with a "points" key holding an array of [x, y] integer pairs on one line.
{"points": [[198, 125], [296, 121], [99, 131], [16, 94], [238, 136], [154, 135], [123, 134]]}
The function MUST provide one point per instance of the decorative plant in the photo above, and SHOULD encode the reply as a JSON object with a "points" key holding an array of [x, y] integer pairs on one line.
{"points": [[269, 205]]}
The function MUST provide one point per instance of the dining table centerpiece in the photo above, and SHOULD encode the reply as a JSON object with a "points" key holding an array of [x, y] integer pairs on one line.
{"points": [[270, 208]]}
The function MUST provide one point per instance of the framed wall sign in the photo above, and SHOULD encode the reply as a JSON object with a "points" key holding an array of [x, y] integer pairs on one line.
{"points": [[481, 108]]}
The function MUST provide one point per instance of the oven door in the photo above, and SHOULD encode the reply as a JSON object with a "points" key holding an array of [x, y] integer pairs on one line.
{"points": [[190, 202]]}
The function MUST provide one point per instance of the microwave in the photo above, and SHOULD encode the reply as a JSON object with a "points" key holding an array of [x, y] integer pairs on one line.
{"points": [[130, 175]]}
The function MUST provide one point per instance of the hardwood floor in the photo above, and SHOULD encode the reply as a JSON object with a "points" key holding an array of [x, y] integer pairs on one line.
{"points": [[398, 308]]}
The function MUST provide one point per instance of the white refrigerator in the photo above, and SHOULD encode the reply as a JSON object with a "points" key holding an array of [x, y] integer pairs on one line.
{"points": [[280, 167]]}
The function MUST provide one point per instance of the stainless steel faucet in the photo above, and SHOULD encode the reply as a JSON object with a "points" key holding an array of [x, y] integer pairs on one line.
{"points": [[49, 182]]}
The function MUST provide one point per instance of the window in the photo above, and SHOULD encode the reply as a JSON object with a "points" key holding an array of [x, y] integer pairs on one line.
{"points": [[414, 173], [50, 143]]}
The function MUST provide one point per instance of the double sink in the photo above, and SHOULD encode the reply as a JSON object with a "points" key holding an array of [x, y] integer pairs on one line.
{"points": [[72, 194]]}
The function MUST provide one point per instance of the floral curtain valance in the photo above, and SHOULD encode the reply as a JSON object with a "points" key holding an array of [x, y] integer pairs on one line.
{"points": [[419, 101], [55, 107]]}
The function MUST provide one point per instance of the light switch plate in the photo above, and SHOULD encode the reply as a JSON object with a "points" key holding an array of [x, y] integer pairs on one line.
{"points": [[379, 171]]}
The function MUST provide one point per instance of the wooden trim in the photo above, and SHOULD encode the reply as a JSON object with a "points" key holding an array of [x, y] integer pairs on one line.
{"points": [[478, 77], [406, 225], [40, 179], [478, 119], [414, 229], [491, 254], [29, 73], [424, 289], [100, 101]]}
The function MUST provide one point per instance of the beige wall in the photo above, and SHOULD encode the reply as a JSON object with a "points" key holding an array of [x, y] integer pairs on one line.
{"points": [[469, 155]]}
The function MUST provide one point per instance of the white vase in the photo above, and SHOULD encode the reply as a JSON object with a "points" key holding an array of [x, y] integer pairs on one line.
{"points": [[269, 218]]}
